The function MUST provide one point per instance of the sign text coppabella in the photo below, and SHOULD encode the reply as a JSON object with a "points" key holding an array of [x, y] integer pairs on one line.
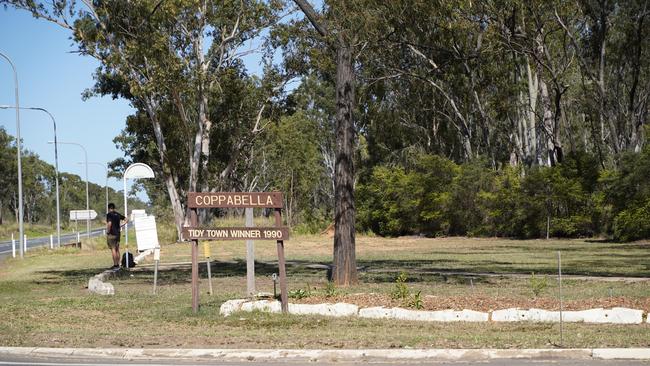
{"points": [[234, 199]]}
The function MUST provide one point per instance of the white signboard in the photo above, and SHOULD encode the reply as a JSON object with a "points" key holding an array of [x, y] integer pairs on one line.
{"points": [[78, 215], [137, 213], [146, 234]]}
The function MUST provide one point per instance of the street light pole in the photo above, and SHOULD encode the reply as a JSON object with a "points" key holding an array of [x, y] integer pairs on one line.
{"points": [[21, 227], [87, 199], [56, 168], [106, 186]]}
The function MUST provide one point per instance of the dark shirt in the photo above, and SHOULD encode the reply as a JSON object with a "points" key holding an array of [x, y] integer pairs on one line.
{"points": [[114, 218]]}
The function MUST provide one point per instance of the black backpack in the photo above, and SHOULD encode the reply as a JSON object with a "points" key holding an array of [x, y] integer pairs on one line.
{"points": [[128, 256]]}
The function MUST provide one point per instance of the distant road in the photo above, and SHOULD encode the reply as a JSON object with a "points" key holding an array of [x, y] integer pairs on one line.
{"points": [[32, 243]]}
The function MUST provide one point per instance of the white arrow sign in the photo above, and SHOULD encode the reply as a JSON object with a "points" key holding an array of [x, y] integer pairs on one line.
{"points": [[78, 215]]}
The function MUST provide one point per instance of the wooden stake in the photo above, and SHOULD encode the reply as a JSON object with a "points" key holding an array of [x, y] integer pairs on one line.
{"points": [[559, 272], [250, 257], [284, 298], [195, 264], [209, 264]]}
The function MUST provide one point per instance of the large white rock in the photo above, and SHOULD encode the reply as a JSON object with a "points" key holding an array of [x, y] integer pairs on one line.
{"points": [[96, 285], [626, 316], [510, 315], [377, 312], [605, 316], [613, 316], [462, 316], [338, 309], [428, 316], [262, 305], [544, 316], [231, 306]]}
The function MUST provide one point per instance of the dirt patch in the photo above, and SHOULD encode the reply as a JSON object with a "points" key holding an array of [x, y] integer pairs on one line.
{"points": [[479, 302]]}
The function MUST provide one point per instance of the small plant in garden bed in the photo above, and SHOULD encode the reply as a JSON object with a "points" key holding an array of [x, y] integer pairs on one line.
{"points": [[416, 301], [400, 291], [300, 293], [538, 284], [403, 293], [330, 289]]}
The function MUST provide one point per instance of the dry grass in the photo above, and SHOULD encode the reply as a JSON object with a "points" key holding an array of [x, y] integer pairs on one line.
{"points": [[44, 302]]}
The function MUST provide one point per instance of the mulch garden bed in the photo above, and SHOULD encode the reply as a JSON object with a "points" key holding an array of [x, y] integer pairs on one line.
{"points": [[479, 302]]}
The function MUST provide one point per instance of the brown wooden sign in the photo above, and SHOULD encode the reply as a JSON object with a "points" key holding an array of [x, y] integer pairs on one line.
{"points": [[234, 199], [237, 233], [279, 233]]}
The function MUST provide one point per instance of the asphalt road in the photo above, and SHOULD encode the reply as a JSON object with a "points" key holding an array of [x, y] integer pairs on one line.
{"points": [[509, 362], [5, 246]]}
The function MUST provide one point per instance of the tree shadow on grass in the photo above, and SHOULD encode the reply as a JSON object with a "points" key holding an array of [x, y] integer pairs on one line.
{"points": [[181, 273], [370, 271]]}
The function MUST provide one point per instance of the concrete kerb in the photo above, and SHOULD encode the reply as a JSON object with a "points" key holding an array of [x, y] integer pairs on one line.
{"points": [[312, 355]]}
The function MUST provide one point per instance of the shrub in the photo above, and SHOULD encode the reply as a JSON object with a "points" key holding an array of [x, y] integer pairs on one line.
{"points": [[633, 223], [572, 227], [414, 200]]}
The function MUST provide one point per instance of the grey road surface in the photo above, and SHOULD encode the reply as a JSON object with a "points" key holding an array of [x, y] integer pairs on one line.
{"points": [[5, 246], [107, 362]]}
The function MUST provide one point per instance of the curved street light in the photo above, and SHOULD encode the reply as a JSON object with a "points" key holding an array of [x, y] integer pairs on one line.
{"points": [[21, 227], [56, 167], [86, 161], [133, 171]]}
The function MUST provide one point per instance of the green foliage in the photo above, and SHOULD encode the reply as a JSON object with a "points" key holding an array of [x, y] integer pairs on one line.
{"points": [[537, 284], [430, 195], [490, 120], [397, 201], [416, 302], [400, 290], [39, 189], [633, 223], [330, 289], [301, 293], [298, 294], [291, 164]]}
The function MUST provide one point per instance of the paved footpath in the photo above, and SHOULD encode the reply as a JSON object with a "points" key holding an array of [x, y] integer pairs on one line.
{"points": [[490, 357]]}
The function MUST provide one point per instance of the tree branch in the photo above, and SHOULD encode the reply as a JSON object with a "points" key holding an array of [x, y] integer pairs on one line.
{"points": [[310, 13]]}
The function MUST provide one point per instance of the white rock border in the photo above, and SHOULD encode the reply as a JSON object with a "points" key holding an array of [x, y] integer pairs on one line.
{"points": [[593, 316]]}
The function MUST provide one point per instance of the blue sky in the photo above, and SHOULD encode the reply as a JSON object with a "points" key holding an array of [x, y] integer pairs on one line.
{"points": [[51, 77]]}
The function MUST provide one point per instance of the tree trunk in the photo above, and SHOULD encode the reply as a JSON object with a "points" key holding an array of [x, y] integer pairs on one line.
{"points": [[548, 123], [531, 132], [168, 175], [345, 263], [206, 126]]}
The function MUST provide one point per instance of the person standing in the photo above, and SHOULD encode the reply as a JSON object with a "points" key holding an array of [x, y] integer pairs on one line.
{"points": [[114, 222]]}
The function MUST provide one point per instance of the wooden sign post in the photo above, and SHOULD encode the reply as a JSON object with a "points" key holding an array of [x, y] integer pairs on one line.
{"points": [[279, 233]]}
